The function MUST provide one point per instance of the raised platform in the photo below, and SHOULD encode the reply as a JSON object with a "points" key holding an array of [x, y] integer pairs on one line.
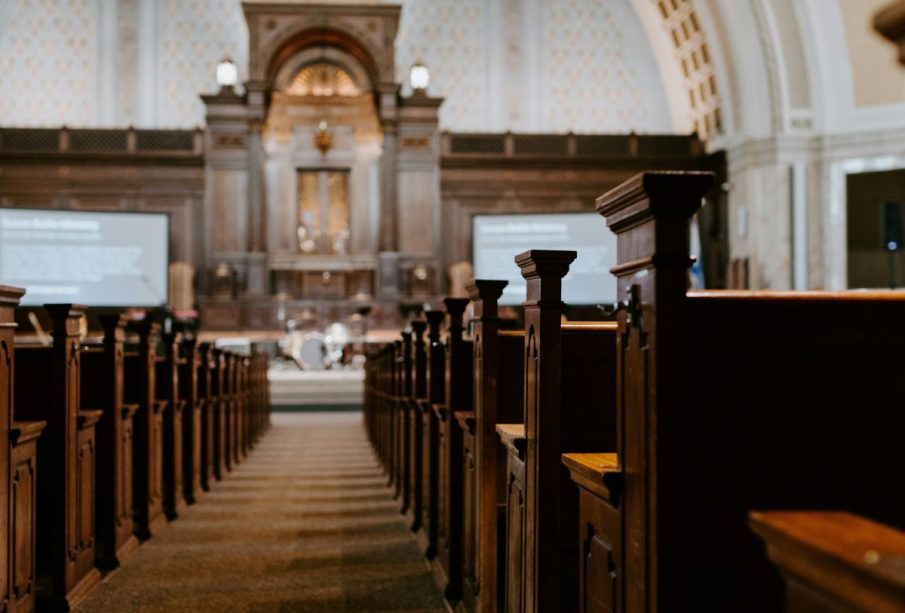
{"points": [[316, 390]]}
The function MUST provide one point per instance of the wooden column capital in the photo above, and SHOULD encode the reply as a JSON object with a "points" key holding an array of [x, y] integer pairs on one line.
{"points": [[485, 295], [544, 270]]}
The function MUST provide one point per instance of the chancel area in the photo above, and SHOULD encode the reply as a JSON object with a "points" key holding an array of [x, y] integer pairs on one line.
{"points": [[481, 306]]}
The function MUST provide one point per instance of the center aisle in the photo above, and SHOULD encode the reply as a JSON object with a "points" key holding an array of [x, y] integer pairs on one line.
{"points": [[305, 523]]}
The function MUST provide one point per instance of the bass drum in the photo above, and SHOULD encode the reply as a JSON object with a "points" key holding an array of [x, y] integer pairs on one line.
{"points": [[312, 353]]}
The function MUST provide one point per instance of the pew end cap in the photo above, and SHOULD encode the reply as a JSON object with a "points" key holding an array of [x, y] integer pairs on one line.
{"points": [[20, 432], [652, 194], [598, 473], [513, 438], [858, 561]]}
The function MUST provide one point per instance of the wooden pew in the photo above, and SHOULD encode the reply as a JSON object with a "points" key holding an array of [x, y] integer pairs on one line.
{"points": [[241, 407], [229, 410], [396, 434], [416, 424], [190, 368], [403, 421], [169, 363], [263, 394], [834, 561], [221, 391], [18, 473], [733, 401], [47, 388], [569, 396], [102, 386], [498, 398], [140, 369], [209, 401], [459, 397], [430, 433]]}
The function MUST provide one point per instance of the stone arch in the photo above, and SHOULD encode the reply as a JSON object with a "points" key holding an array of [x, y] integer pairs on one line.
{"points": [[317, 54], [297, 50]]}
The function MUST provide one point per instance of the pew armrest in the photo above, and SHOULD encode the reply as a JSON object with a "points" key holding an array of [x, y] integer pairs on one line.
{"points": [[466, 420], [846, 557], [513, 437], [89, 417], [23, 431], [128, 410], [596, 472], [159, 405], [440, 410]]}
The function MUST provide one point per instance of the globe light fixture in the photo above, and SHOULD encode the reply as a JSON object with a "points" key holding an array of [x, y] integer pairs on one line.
{"points": [[419, 77], [227, 74]]}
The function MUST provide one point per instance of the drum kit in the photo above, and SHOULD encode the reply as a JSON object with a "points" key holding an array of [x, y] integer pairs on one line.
{"points": [[320, 350]]}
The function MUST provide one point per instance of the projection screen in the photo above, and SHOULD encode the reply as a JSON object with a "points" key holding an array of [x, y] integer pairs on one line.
{"points": [[497, 239], [90, 258]]}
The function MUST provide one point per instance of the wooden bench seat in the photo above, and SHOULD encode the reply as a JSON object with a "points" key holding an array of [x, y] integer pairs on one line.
{"points": [[192, 419], [834, 561], [47, 383], [570, 407], [458, 380], [416, 424], [18, 472], [498, 372], [430, 456], [103, 380], [169, 362], [140, 371], [219, 411], [403, 419], [731, 402], [515, 442]]}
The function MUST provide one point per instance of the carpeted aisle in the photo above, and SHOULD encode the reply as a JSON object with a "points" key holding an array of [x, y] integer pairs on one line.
{"points": [[306, 523]]}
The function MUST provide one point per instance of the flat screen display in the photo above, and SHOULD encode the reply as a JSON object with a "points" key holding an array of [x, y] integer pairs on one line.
{"points": [[82, 257], [497, 239]]}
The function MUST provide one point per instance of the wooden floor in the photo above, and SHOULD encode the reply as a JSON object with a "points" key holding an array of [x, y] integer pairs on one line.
{"points": [[306, 523]]}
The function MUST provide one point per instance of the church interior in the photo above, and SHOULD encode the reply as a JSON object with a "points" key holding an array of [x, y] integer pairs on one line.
{"points": [[451, 305]]}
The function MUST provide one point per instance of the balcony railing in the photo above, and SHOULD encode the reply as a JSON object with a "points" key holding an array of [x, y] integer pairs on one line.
{"points": [[116, 141]]}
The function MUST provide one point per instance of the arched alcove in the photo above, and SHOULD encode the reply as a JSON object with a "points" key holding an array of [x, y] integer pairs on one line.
{"points": [[322, 139]]}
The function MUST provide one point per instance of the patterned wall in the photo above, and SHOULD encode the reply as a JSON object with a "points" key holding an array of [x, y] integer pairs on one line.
{"points": [[598, 71], [48, 62], [195, 35], [449, 38], [520, 65]]}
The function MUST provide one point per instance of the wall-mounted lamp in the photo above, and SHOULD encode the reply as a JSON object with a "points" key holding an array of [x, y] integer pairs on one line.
{"points": [[419, 77], [227, 74], [323, 138]]}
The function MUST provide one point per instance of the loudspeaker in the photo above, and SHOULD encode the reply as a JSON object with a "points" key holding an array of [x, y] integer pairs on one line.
{"points": [[892, 226]]}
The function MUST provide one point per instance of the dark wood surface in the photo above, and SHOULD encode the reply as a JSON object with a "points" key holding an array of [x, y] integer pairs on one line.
{"points": [[147, 464], [82, 421], [485, 459], [730, 402], [834, 561], [890, 22], [47, 384], [168, 367], [418, 417], [18, 473], [192, 419], [103, 381], [433, 456], [646, 442]]}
